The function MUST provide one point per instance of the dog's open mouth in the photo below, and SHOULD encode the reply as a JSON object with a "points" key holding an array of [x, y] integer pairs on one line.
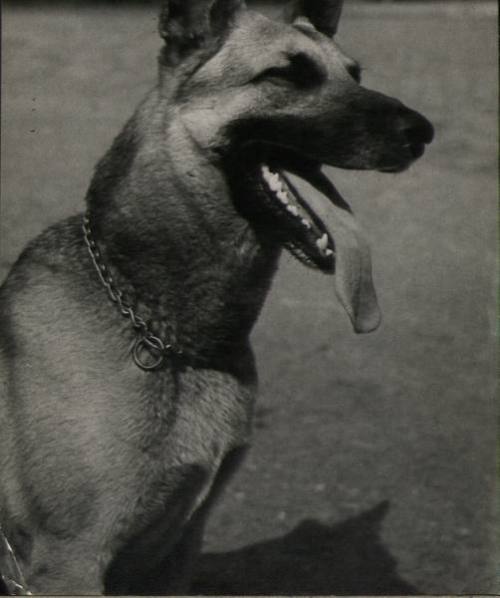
{"points": [[305, 234], [340, 249]]}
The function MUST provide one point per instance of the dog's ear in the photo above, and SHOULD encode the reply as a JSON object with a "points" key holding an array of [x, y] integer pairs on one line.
{"points": [[190, 25], [323, 14]]}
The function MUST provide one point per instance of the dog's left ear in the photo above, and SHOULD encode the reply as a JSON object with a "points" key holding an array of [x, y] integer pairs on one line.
{"points": [[323, 14], [190, 25]]}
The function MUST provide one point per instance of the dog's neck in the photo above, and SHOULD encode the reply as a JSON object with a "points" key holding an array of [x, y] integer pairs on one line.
{"points": [[164, 218]]}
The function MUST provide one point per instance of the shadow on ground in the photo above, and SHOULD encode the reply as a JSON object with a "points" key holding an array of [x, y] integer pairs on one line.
{"points": [[313, 559]]}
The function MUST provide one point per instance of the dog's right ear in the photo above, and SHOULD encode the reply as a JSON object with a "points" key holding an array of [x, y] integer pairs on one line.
{"points": [[191, 25], [323, 14]]}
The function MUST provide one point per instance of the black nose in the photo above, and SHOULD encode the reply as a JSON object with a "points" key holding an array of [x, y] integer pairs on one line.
{"points": [[415, 127]]}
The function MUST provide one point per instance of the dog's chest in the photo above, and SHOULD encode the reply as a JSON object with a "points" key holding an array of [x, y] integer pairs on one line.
{"points": [[209, 416], [183, 447], [182, 427]]}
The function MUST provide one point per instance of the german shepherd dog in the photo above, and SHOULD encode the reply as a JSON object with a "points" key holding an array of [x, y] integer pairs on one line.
{"points": [[128, 382]]}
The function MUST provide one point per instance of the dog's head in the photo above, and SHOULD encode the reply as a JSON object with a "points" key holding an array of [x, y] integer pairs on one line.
{"points": [[269, 100]]}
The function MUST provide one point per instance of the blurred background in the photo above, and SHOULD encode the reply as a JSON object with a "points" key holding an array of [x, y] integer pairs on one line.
{"points": [[373, 465]]}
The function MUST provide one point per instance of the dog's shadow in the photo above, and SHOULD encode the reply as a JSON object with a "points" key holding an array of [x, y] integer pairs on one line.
{"points": [[313, 559]]}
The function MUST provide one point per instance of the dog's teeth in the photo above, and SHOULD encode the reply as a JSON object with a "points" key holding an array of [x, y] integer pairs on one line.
{"points": [[323, 242], [293, 210], [306, 223], [275, 182], [282, 196], [272, 178], [328, 252]]}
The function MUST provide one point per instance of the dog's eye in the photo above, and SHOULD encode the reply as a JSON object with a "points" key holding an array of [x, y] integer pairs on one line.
{"points": [[280, 74], [301, 71]]}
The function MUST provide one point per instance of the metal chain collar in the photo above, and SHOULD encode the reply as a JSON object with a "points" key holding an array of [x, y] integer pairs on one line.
{"points": [[147, 341], [11, 573]]}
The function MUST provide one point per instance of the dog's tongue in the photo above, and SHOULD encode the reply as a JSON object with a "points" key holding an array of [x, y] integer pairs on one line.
{"points": [[353, 269]]}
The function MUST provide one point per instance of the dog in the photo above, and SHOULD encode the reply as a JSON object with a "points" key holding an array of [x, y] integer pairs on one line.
{"points": [[128, 381]]}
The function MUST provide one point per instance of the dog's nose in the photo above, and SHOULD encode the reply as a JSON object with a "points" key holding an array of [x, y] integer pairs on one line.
{"points": [[415, 127]]}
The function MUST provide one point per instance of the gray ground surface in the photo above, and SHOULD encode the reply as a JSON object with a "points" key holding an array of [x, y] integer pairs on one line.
{"points": [[374, 458]]}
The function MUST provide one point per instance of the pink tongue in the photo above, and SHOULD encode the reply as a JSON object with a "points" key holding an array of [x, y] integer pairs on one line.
{"points": [[353, 269]]}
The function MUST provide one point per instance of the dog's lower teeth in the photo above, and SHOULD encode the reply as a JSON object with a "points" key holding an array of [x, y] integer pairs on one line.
{"points": [[323, 242]]}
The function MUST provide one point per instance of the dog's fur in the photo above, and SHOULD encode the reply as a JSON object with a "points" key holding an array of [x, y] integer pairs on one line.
{"points": [[107, 471]]}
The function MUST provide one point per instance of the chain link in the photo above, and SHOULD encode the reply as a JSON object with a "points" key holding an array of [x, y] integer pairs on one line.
{"points": [[147, 341], [11, 573]]}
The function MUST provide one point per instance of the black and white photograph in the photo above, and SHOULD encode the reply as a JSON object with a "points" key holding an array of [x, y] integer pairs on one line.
{"points": [[248, 298]]}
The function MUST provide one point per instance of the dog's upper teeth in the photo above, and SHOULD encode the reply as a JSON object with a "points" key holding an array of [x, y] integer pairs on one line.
{"points": [[270, 177], [282, 196], [323, 242], [275, 182], [328, 252], [306, 223], [293, 210]]}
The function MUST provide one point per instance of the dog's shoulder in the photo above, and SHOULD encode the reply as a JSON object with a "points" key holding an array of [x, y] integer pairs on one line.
{"points": [[56, 250], [50, 274]]}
